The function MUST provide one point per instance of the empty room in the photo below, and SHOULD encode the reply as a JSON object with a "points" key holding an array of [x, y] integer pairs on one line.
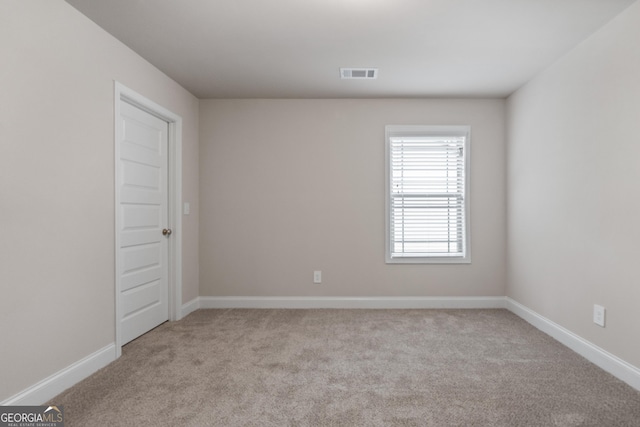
{"points": [[320, 212]]}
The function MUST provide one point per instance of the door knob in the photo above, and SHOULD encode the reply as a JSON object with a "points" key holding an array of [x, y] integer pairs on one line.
{"points": [[166, 232]]}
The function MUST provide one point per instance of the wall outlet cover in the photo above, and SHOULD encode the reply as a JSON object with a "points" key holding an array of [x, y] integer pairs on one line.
{"points": [[598, 315]]}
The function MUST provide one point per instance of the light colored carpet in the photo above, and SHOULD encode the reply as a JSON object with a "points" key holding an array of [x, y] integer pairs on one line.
{"points": [[241, 367]]}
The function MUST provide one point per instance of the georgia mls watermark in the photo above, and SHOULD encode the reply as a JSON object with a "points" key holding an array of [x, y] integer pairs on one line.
{"points": [[31, 416]]}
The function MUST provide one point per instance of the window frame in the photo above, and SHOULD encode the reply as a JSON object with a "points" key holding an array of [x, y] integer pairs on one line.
{"points": [[394, 131]]}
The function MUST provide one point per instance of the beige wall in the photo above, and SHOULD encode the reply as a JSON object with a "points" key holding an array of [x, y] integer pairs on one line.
{"points": [[57, 185], [573, 176], [292, 186]]}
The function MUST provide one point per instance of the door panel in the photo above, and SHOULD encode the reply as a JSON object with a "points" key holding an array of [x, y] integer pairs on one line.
{"points": [[141, 298], [138, 216], [146, 176], [143, 193], [133, 279], [140, 257]]}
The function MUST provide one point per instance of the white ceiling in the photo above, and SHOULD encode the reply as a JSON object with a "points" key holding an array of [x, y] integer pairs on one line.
{"points": [[294, 48]]}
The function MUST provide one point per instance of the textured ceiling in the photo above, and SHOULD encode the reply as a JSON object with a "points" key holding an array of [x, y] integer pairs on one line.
{"points": [[294, 48]]}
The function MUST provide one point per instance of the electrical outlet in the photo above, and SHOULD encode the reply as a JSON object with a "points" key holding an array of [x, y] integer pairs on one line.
{"points": [[317, 277], [598, 315]]}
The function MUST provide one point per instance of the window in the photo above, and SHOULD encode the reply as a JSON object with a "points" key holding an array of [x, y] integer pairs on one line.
{"points": [[427, 188]]}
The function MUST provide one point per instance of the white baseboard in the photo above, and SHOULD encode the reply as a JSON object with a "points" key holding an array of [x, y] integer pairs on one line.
{"points": [[596, 355], [55, 384], [190, 306], [352, 302], [50, 387]]}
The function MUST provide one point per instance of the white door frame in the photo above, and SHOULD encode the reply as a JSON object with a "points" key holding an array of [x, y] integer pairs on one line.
{"points": [[124, 94]]}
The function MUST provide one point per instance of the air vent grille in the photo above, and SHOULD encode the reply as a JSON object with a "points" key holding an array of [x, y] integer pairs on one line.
{"points": [[359, 73]]}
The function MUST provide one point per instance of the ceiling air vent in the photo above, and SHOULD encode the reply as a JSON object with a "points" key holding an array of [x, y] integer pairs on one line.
{"points": [[359, 73]]}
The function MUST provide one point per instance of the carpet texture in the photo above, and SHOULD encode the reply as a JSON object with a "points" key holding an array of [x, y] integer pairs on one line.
{"points": [[241, 367]]}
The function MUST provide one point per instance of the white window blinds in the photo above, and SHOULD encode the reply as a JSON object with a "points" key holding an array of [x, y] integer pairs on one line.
{"points": [[427, 194]]}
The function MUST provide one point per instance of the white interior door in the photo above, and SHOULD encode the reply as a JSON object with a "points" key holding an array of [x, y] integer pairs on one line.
{"points": [[143, 249]]}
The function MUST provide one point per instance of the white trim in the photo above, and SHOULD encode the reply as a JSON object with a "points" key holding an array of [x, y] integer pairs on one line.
{"points": [[351, 302], [124, 94], [55, 384], [614, 365], [175, 216], [191, 306]]}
